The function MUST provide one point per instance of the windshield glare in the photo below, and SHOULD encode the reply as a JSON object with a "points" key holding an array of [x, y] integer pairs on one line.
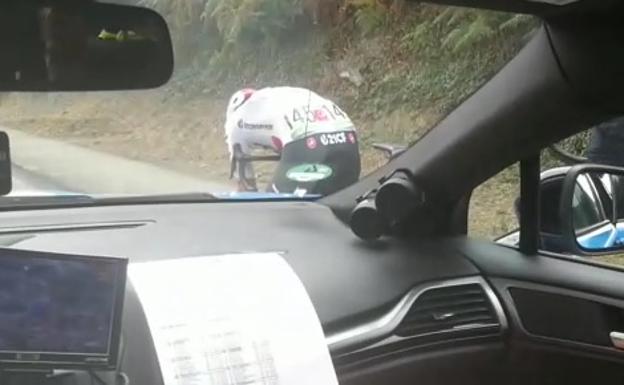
{"points": [[274, 97]]}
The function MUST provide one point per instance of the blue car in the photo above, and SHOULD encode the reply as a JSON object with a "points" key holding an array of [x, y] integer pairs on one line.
{"points": [[595, 222]]}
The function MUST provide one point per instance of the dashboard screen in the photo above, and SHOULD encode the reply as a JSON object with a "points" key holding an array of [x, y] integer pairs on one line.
{"points": [[54, 304]]}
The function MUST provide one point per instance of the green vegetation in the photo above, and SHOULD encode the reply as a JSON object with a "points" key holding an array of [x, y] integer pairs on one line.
{"points": [[422, 56]]}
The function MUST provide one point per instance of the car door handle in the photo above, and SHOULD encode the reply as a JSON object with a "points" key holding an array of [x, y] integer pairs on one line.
{"points": [[617, 339]]}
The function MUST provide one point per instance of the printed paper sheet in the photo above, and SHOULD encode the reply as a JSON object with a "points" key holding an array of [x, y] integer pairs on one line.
{"points": [[232, 320]]}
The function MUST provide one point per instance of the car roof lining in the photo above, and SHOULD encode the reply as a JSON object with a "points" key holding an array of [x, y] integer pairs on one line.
{"points": [[537, 8]]}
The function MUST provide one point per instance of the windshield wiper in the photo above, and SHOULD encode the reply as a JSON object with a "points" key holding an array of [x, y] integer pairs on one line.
{"points": [[80, 200], [12, 201], [198, 197], [66, 200]]}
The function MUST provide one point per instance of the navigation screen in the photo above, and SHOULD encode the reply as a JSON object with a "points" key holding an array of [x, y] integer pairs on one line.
{"points": [[52, 305]]}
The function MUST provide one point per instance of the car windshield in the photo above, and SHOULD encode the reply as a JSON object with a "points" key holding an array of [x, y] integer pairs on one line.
{"points": [[268, 98]]}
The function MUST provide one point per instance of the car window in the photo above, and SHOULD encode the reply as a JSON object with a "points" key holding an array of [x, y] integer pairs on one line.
{"points": [[281, 97], [586, 207], [494, 204], [494, 212]]}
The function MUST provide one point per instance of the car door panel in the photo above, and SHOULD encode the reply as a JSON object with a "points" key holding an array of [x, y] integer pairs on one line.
{"points": [[561, 311], [562, 317], [575, 273]]}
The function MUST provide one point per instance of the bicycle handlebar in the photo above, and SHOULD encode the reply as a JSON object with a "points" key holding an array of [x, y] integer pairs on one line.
{"points": [[390, 150]]}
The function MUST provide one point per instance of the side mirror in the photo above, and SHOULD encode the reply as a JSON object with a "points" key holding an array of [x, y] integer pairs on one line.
{"points": [[592, 209]]}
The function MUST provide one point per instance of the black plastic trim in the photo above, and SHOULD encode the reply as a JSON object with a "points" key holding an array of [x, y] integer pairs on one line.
{"points": [[529, 204], [502, 287]]}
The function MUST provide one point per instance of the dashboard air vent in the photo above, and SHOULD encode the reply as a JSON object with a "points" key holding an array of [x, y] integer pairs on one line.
{"points": [[448, 308]]}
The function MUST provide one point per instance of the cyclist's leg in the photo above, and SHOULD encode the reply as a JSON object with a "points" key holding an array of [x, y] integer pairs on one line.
{"points": [[246, 177]]}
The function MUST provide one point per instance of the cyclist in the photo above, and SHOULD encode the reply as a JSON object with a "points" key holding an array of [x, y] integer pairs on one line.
{"points": [[315, 139], [607, 147], [607, 143]]}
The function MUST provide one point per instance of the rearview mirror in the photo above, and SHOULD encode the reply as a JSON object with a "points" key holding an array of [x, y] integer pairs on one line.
{"points": [[81, 46], [592, 209]]}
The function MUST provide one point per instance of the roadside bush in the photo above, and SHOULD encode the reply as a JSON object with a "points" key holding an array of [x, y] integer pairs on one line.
{"points": [[215, 25], [431, 58]]}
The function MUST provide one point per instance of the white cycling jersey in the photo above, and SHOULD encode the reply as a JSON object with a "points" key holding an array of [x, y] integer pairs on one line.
{"points": [[275, 116]]}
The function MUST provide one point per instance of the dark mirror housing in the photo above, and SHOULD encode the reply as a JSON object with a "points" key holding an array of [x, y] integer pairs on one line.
{"points": [[82, 46], [592, 209]]}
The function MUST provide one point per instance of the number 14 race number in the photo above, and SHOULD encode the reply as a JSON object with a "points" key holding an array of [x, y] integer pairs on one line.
{"points": [[322, 114]]}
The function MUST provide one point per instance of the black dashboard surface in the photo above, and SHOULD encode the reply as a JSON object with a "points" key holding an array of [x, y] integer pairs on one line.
{"points": [[350, 282], [346, 278]]}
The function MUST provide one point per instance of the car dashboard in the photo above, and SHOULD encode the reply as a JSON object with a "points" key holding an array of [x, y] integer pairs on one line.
{"points": [[441, 310]]}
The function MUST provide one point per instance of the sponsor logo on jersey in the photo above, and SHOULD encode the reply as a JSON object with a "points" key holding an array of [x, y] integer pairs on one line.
{"points": [[309, 172], [334, 138], [311, 143], [351, 137], [254, 126], [320, 115]]}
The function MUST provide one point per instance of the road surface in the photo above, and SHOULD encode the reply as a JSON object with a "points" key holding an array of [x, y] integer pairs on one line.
{"points": [[46, 164], [25, 182]]}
